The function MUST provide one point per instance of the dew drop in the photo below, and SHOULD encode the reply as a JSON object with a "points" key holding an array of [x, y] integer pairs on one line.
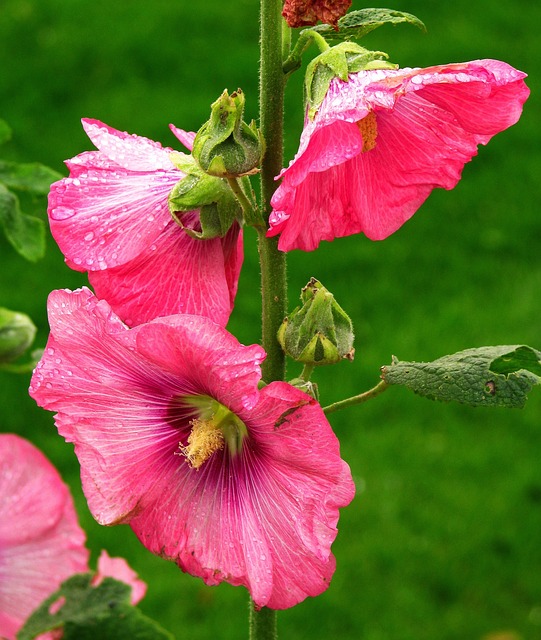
{"points": [[89, 236], [62, 213]]}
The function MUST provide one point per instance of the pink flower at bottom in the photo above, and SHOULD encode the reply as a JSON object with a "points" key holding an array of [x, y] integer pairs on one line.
{"points": [[41, 543], [174, 437], [380, 142], [111, 218]]}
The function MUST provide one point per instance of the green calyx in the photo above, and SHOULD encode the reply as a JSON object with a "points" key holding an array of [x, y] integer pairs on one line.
{"points": [[17, 332], [226, 146], [318, 332], [218, 207], [338, 62]]}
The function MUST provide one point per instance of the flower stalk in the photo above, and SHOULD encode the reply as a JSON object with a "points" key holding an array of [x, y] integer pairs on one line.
{"points": [[359, 399], [263, 622]]}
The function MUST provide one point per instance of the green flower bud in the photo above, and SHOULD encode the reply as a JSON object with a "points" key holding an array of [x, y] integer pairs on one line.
{"points": [[319, 332], [226, 146], [338, 62], [17, 332]]}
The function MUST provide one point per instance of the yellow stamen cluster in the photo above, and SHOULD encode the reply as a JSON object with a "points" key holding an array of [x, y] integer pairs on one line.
{"points": [[369, 130], [204, 440]]}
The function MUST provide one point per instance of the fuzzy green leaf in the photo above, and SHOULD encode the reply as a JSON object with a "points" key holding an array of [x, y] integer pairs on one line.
{"points": [[25, 233], [83, 611], [33, 177], [356, 24], [5, 131], [499, 376]]}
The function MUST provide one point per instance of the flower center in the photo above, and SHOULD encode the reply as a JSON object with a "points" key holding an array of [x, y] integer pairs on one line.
{"points": [[369, 131], [213, 428]]}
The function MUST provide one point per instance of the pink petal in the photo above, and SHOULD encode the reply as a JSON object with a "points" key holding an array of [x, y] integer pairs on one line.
{"points": [[129, 151], [190, 347], [186, 137], [119, 569], [41, 543], [105, 399], [175, 274], [103, 216]]}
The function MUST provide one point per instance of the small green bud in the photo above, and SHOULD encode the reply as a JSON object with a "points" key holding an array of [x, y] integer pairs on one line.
{"points": [[226, 146], [338, 62], [319, 332], [17, 332]]}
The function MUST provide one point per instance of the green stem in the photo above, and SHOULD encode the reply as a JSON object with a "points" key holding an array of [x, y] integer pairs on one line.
{"points": [[262, 623], [305, 39], [362, 397], [250, 213], [273, 262], [307, 372]]}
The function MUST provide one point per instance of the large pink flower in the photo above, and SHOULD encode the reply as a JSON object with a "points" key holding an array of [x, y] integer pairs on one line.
{"points": [[41, 543], [381, 142], [174, 437], [110, 217]]}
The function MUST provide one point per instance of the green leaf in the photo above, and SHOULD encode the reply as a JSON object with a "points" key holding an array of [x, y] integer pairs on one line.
{"points": [[33, 177], [25, 233], [83, 611], [499, 376], [5, 131], [357, 24]]}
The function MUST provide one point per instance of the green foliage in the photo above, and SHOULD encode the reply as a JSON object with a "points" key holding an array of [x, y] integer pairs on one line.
{"points": [[484, 377], [32, 177], [5, 131], [25, 233], [357, 24], [86, 612]]}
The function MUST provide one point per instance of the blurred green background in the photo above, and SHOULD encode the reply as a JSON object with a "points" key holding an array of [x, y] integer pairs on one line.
{"points": [[443, 540]]}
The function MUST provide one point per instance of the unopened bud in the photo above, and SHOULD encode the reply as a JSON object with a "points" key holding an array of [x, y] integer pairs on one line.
{"points": [[319, 332], [226, 146], [17, 332]]}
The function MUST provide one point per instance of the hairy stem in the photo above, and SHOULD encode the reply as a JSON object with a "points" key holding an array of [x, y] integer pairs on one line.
{"points": [[362, 397]]}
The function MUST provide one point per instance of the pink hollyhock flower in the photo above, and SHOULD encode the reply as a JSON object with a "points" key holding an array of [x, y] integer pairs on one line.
{"points": [[41, 543], [174, 437], [110, 217], [380, 142]]}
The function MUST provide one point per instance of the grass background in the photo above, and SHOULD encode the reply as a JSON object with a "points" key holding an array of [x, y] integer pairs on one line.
{"points": [[443, 540]]}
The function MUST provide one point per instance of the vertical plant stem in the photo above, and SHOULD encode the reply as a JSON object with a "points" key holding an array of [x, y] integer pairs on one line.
{"points": [[262, 623], [273, 262]]}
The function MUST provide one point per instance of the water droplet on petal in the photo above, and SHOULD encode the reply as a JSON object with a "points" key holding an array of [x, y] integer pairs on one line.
{"points": [[62, 213], [89, 236]]}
